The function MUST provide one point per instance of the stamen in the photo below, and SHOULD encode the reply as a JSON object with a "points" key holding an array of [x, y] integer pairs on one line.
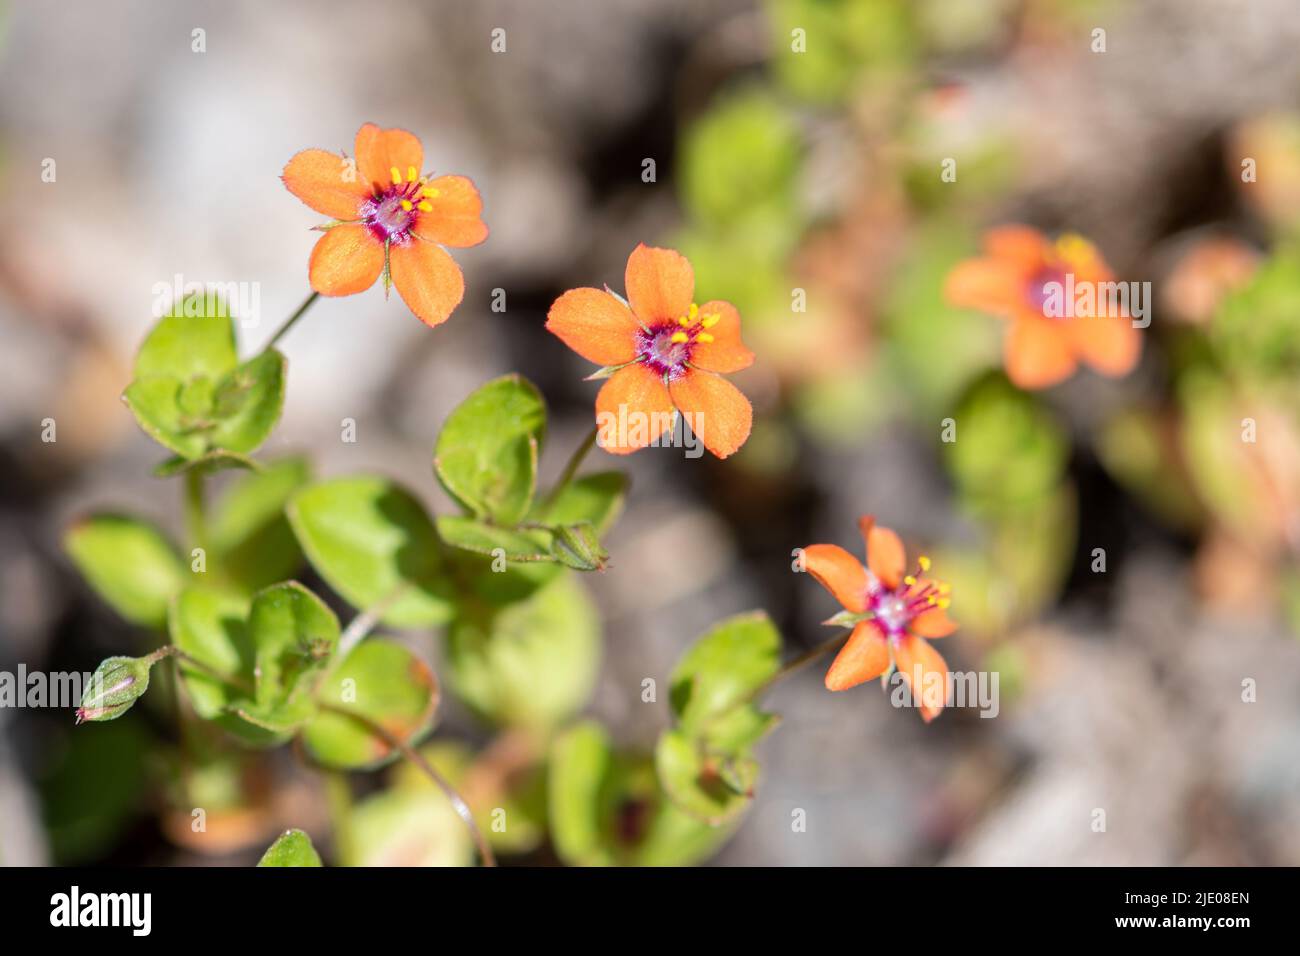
{"points": [[406, 204], [396, 174], [431, 193], [924, 562], [426, 206], [412, 173], [679, 337], [704, 337], [709, 321]]}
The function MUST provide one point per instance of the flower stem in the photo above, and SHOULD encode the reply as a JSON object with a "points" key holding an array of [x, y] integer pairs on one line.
{"points": [[364, 623], [288, 323], [571, 469], [410, 753], [196, 523]]}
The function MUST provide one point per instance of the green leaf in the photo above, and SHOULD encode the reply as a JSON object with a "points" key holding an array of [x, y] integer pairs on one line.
{"points": [[515, 546], [712, 788], [211, 627], [249, 532], [366, 536], [196, 340], [724, 667], [595, 498], [406, 827], [129, 563], [155, 402], [294, 636], [291, 848], [385, 683], [532, 663], [206, 464], [247, 403], [486, 455], [606, 808]]}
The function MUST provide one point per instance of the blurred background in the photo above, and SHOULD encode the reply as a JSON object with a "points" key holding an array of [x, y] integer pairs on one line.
{"points": [[775, 170]]}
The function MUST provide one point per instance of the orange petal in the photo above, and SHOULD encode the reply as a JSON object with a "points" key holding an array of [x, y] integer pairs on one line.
{"points": [[925, 672], [1037, 352], [319, 179], [838, 572], [379, 150], [718, 413], [632, 410], [455, 219], [864, 657], [726, 353], [346, 260], [1110, 344], [933, 623], [596, 325], [885, 555], [1022, 246], [660, 284], [987, 285], [427, 279]]}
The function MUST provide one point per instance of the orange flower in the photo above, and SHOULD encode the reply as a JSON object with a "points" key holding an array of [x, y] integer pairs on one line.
{"points": [[1044, 344], [389, 220], [892, 614], [662, 353]]}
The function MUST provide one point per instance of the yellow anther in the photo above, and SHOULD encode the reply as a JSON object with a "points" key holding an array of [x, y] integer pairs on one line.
{"points": [[909, 580], [709, 321], [426, 206], [694, 311], [944, 602], [932, 600], [430, 192], [679, 337], [406, 204], [397, 175], [684, 321], [924, 562], [945, 588], [412, 174], [704, 337]]}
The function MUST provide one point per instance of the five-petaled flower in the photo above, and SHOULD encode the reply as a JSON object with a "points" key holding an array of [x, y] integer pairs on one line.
{"points": [[893, 614], [1020, 272], [661, 352], [389, 219]]}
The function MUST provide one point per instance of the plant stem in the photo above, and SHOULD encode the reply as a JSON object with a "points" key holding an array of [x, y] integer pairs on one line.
{"points": [[790, 667], [288, 323], [410, 753], [364, 623], [196, 523], [571, 469]]}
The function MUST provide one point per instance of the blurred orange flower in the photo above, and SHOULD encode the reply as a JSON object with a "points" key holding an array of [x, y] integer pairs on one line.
{"points": [[662, 353], [898, 612], [390, 220], [1015, 278]]}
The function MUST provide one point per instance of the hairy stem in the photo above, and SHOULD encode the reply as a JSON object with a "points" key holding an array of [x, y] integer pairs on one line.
{"points": [[364, 623], [196, 522], [289, 322], [410, 753]]}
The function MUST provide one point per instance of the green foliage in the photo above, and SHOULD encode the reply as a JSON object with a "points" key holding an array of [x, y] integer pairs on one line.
{"points": [[706, 765], [486, 455], [367, 536], [1256, 330], [847, 43], [387, 685], [129, 563], [250, 536], [606, 808], [531, 663], [291, 848], [192, 395]]}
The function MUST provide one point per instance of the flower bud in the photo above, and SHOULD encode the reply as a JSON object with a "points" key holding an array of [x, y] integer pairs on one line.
{"points": [[114, 687], [577, 546]]}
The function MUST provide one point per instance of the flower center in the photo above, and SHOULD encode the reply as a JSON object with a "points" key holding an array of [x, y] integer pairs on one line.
{"points": [[893, 609], [666, 348], [1037, 292], [393, 211]]}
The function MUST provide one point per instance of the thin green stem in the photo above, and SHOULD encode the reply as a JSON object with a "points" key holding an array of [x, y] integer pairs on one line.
{"points": [[571, 469], [410, 753], [196, 522], [289, 322]]}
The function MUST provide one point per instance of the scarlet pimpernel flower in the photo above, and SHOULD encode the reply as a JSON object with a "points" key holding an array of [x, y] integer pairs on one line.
{"points": [[892, 613], [389, 219], [1035, 283], [662, 354]]}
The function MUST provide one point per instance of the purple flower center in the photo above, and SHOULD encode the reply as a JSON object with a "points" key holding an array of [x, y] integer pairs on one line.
{"points": [[1037, 291], [660, 353]]}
